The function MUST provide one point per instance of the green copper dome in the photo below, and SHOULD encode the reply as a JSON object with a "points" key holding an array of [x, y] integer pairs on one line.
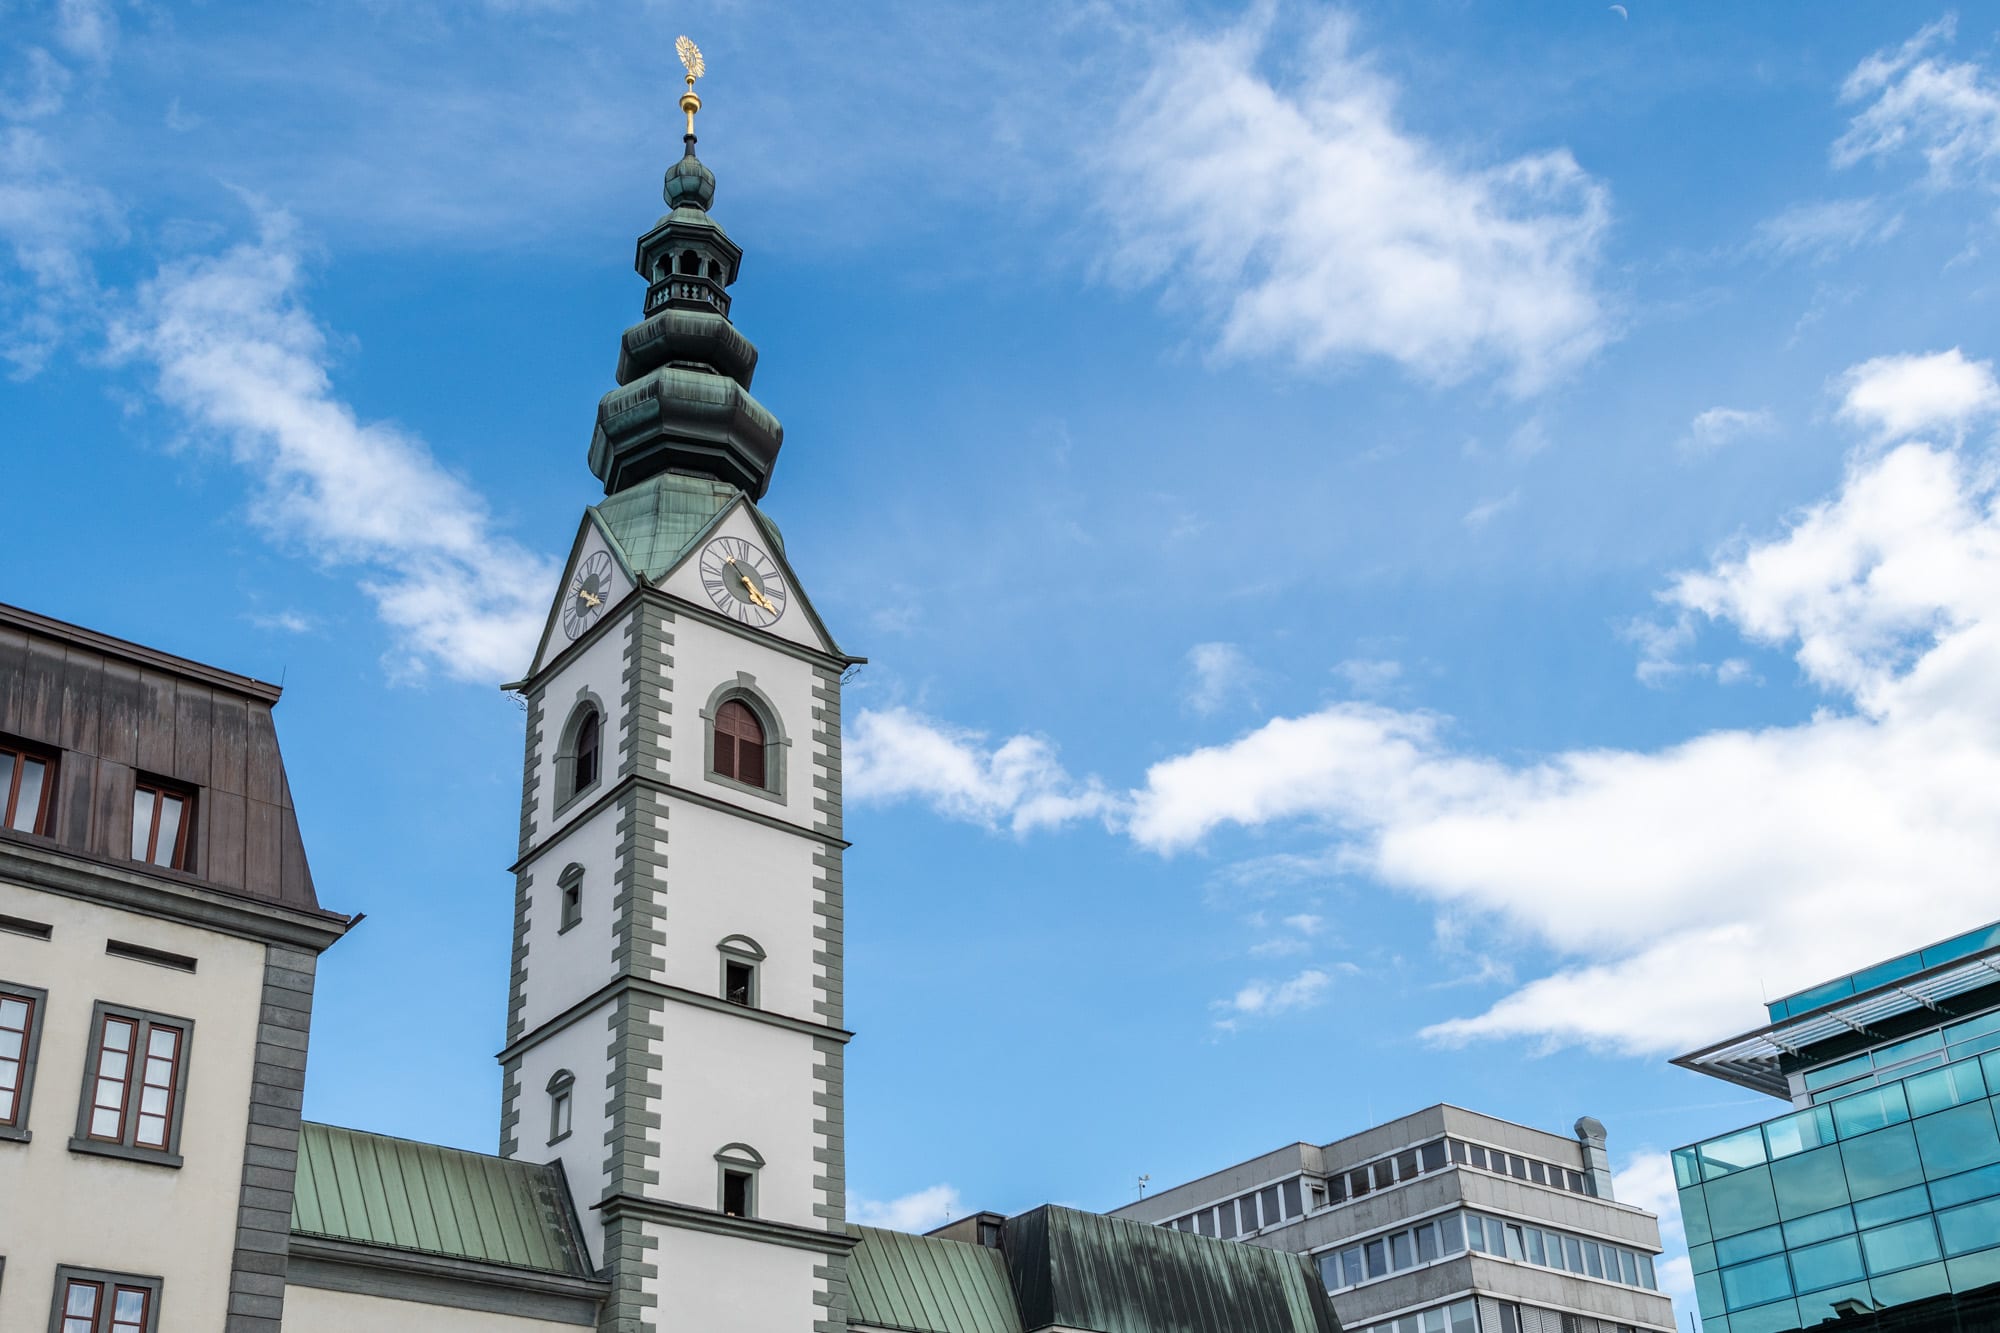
{"points": [[689, 183]]}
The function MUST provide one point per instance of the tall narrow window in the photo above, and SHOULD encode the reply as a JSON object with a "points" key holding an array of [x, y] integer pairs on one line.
{"points": [[20, 1034], [134, 1080], [587, 737], [90, 1302], [570, 885], [740, 957], [162, 824], [739, 744], [27, 787], [580, 752], [561, 1087]]}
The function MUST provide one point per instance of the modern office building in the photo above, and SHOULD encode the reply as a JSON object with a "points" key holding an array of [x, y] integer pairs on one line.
{"points": [[1873, 1204], [1445, 1221]]}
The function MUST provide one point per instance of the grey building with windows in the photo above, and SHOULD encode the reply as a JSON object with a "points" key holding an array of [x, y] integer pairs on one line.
{"points": [[1874, 1202], [1445, 1221]]}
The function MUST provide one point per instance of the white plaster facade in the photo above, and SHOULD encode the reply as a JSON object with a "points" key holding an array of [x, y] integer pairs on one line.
{"points": [[313, 1310]]}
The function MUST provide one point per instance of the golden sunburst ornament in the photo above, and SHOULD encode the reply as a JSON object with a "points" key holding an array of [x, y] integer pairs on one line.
{"points": [[692, 62]]}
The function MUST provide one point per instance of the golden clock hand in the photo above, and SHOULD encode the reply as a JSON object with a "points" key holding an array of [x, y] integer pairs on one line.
{"points": [[590, 597], [756, 596]]}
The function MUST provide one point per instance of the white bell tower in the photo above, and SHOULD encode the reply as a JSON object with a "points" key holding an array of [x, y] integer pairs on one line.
{"points": [[674, 1025]]}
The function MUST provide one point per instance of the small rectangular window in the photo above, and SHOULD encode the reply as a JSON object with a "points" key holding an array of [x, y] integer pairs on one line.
{"points": [[1316, 1196], [572, 903], [1427, 1242], [1458, 1153], [1377, 1253], [1536, 1255], [1475, 1231], [1592, 1261], [1538, 1173], [1628, 1267], [133, 1084], [92, 1302], [1451, 1231], [20, 1036], [1402, 1254], [739, 982], [1510, 1319], [1288, 1193], [1478, 1155], [1267, 1200], [163, 824], [1406, 1165], [1575, 1182], [1336, 1189], [1357, 1182], [1351, 1272], [1496, 1238], [1518, 1168], [1204, 1222], [1517, 1248], [1647, 1278], [1433, 1155], [1573, 1251], [27, 788], [1226, 1220], [1384, 1172]]}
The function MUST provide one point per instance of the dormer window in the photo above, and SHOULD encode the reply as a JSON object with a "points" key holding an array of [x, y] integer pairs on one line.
{"points": [[739, 744], [27, 788], [162, 824]]}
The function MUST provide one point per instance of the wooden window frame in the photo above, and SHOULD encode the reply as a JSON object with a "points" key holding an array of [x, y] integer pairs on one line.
{"points": [[14, 757], [742, 689], [737, 742], [15, 1129], [160, 789], [126, 1144], [108, 1287]]}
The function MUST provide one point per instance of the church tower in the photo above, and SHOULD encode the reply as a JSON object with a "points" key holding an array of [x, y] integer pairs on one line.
{"points": [[674, 1031]]}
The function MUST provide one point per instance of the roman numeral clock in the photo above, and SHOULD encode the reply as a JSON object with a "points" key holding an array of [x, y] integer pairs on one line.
{"points": [[743, 582]]}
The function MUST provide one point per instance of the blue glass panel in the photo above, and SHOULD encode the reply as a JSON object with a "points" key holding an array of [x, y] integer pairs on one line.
{"points": [[1911, 1202], [1694, 1215], [1708, 1295], [1751, 1245], [1744, 1202], [1824, 1306], [1828, 1264], [1810, 1182], [1808, 1000], [1912, 1284], [1782, 1317], [1973, 1227], [1958, 1140], [1941, 1088], [1870, 1110], [1733, 1152], [1971, 1046], [1687, 1168], [1983, 1026], [1974, 1270], [1964, 1189], [1868, 978], [1900, 1245], [1792, 1134], [1828, 1075], [1756, 1283], [1496, 1237], [1702, 1258], [1896, 1052], [1880, 1162], [1991, 1065], [1962, 946], [1820, 1226]]}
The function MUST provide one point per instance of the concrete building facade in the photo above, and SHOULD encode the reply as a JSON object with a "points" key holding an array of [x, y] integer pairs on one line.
{"points": [[1444, 1221]]}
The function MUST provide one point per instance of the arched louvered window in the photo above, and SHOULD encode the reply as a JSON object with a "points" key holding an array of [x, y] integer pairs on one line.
{"points": [[589, 736], [739, 744]]}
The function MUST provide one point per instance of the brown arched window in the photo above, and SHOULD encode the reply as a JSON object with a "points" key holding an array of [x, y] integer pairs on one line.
{"points": [[739, 744], [588, 734]]}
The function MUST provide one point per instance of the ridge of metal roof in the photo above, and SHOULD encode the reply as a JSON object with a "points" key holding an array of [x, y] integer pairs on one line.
{"points": [[928, 1284], [374, 1189]]}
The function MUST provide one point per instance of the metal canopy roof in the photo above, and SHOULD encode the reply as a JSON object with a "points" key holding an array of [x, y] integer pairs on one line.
{"points": [[1752, 1060]]}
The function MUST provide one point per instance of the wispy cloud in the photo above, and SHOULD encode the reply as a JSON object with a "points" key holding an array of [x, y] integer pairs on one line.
{"points": [[1480, 515], [1264, 999], [1219, 674], [1918, 101], [895, 754], [1347, 235], [923, 1210], [1828, 228], [1898, 396], [1719, 426], [232, 347]]}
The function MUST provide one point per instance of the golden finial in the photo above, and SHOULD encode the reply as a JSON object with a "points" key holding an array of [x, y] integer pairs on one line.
{"points": [[691, 61]]}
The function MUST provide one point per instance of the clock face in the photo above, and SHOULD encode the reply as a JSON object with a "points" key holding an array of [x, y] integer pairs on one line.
{"points": [[743, 582], [588, 593]]}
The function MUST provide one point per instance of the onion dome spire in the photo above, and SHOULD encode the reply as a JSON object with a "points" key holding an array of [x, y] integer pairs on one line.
{"points": [[684, 403]]}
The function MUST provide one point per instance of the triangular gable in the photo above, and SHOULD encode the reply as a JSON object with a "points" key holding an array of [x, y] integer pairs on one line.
{"points": [[591, 536], [800, 623]]}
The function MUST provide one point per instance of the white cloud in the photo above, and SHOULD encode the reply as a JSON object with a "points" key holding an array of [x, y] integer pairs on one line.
{"points": [[1221, 672], [1827, 228], [1899, 396], [895, 754], [1483, 513], [1683, 883], [1262, 999], [1311, 225], [1370, 676], [925, 1210], [235, 351], [1718, 426], [87, 29], [1948, 112], [290, 622], [49, 219]]}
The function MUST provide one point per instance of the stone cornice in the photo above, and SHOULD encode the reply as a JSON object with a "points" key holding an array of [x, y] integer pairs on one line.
{"points": [[604, 995], [761, 1229], [665, 788]]}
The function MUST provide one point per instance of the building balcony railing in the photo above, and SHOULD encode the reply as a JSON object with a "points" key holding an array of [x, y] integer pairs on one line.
{"points": [[685, 289]]}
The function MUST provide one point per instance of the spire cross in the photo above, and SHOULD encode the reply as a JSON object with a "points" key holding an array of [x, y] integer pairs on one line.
{"points": [[692, 62]]}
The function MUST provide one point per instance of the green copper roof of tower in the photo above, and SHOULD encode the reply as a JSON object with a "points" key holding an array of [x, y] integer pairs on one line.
{"points": [[683, 403]]}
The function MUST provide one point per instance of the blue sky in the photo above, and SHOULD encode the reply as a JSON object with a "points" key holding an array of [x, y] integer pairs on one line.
{"points": [[1423, 552]]}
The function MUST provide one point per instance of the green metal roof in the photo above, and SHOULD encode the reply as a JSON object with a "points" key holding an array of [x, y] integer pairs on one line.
{"points": [[925, 1284], [1085, 1271], [377, 1190], [656, 520]]}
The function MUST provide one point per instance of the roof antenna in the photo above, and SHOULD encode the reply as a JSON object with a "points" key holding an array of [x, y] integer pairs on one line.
{"points": [[1143, 1182]]}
